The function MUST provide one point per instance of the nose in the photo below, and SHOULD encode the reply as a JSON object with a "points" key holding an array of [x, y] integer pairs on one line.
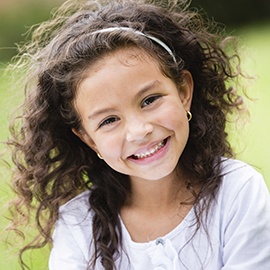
{"points": [[138, 129]]}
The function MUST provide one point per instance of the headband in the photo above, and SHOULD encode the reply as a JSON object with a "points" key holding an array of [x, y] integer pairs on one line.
{"points": [[158, 41]]}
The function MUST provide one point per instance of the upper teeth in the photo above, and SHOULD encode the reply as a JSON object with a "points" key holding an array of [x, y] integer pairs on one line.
{"points": [[150, 152]]}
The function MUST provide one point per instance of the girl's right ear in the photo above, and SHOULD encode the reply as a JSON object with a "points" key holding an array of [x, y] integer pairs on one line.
{"points": [[85, 138], [78, 133]]}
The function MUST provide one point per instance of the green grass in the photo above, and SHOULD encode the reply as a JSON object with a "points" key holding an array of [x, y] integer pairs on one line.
{"points": [[251, 143], [8, 102]]}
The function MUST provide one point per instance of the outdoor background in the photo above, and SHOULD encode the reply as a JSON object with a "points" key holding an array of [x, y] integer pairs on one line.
{"points": [[248, 19]]}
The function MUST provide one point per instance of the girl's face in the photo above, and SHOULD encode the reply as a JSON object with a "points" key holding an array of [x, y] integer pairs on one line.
{"points": [[133, 115]]}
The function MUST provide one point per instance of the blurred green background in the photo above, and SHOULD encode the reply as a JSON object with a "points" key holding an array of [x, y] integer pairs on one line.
{"points": [[248, 19]]}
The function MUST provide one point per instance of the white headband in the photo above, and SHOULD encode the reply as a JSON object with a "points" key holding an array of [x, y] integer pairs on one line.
{"points": [[162, 44]]}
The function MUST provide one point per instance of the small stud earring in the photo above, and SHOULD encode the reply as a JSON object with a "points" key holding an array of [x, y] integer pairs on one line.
{"points": [[99, 155], [189, 115]]}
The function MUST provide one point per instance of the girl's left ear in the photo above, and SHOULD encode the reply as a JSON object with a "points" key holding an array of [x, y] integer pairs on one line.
{"points": [[186, 89]]}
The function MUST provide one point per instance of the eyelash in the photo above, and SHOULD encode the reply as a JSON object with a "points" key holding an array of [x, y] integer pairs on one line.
{"points": [[150, 100], [108, 121]]}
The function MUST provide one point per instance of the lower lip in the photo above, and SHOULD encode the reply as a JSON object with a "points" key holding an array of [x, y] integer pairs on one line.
{"points": [[158, 155]]}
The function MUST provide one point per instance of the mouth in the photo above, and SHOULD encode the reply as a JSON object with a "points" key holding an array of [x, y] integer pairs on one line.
{"points": [[152, 151]]}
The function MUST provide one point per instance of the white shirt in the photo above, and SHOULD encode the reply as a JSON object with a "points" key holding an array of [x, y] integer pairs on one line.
{"points": [[238, 227]]}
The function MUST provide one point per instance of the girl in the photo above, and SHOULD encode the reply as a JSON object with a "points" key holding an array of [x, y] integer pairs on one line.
{"points": [[122, 150]]}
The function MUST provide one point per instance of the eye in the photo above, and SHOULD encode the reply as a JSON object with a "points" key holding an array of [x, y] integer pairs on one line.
{"points": [[149, 100], [108, 121]]}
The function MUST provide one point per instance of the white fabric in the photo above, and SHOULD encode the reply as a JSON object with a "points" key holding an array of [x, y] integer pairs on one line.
{"points": [[238, 226]]}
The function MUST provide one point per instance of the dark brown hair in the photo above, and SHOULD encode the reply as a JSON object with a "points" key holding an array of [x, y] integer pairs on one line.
{"points": [[53, 165]]}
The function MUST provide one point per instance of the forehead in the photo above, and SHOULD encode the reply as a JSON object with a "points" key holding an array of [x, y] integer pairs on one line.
{"points": [[117, 75], [118, 67], [129, 56]]}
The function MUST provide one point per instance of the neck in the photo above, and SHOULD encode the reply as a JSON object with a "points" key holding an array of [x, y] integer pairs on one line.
{"points": [[151, 195], [154, 207]]}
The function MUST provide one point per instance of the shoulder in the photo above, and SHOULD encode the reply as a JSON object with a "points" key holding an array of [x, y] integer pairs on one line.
{"points": [[242, 188], [77, 209], [81, 201], [74, 225], [243, 210], [237, 167], [236, 174], [72, 235]]}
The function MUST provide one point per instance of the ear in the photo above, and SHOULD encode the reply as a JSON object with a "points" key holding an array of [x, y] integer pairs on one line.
{"points": [[85, 138], [186, 89]]}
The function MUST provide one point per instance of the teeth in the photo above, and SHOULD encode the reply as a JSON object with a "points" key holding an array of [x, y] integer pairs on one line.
{"points": [[150, 152]]}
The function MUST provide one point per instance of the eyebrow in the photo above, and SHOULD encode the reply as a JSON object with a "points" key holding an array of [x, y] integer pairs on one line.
{"points": [[99, 112], [145, 88]]}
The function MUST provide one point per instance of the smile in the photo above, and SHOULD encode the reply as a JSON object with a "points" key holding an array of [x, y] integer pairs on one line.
{"points": [[151, 151]]}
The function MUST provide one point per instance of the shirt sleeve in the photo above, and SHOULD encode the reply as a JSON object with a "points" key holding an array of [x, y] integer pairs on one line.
{"points": [[65, 254], [246, 243]]}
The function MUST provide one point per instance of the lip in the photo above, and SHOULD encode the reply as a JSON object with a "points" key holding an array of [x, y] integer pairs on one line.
{"points": [[157, 155]]}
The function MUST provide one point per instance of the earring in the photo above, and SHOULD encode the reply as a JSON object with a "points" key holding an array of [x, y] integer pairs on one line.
{"points": [[99, 155], [189, 115]]}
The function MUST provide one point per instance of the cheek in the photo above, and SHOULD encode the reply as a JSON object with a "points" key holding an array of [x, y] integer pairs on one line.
{"points": [[108, 145], [173, 117]]}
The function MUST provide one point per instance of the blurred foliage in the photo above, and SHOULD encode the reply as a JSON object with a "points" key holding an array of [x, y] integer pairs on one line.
{"points": [[234, 12], [18, 15]]}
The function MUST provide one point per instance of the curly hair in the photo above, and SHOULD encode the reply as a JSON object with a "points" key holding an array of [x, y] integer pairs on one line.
{"points": [[53, 165]]}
